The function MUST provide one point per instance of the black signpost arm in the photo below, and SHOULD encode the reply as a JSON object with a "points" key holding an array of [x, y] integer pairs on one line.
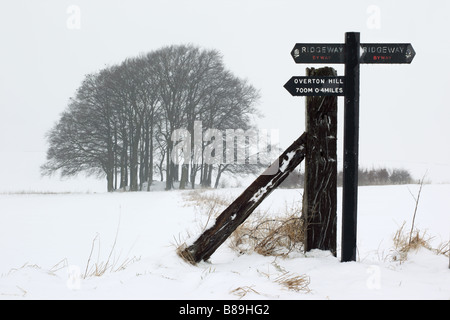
{"points": [[351, 137]]}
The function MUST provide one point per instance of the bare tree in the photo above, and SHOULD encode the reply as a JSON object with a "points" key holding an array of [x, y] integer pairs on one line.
{"points": [[121, 120], [83, 138]]}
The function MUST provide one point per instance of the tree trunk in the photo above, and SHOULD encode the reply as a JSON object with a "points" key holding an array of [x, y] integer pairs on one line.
{"points": [[145, 166], [208, 178], [110, 180], [169, 172], [184, 176], [246, 203], [150, 169], [115, 157], [194, 168], [134, 156], [124, 165], [220, 169]]}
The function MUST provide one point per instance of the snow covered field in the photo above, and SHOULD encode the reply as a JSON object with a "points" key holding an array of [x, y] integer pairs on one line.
{"points": [[48, 240]]}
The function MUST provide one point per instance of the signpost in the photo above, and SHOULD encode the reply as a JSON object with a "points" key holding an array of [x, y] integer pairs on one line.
{"points": [[318, 143], [352, 54]]}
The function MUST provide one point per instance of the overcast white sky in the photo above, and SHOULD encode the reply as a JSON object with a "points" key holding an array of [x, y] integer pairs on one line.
{"points": [[404, 116]]}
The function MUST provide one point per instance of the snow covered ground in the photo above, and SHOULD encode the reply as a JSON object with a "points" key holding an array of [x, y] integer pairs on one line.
{"points": [[48, 240]]}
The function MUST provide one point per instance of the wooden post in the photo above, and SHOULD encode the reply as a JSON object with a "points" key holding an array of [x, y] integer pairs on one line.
{"points": [[320, 194], [233, 216]]}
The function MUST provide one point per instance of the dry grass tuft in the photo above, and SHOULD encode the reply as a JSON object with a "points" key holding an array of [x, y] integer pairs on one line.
{"points": [[409, 241], [185, 254], [242, 291], [405, 242], [270, 236], [444, 249], [294, 282], [205, 199], [112, 264], [26, 265]]}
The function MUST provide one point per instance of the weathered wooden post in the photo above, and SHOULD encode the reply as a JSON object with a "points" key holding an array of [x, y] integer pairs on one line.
{"points": [[233, 216], [320, 190], [321, 88]]}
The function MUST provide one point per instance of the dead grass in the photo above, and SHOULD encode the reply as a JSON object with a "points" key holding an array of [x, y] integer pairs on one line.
{"points": [[405, 242], [291, 281], [113, 263], [185, 254], [22, 293], [243, 291], [205, 199], [294, 282], [270, 236], [444, 249], [288, 280], [410, 241], [26, 265]]}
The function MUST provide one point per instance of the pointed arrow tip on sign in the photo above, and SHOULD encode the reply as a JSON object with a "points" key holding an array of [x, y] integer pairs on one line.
{"points": [[289, 86], [361, 52]]}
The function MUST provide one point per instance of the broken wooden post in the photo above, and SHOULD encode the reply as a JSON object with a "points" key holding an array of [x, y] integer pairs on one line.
{"points": [[233, 216], [320, 194]]}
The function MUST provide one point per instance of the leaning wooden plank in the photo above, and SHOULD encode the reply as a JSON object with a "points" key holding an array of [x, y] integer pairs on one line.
{"points": [[233, 216]]}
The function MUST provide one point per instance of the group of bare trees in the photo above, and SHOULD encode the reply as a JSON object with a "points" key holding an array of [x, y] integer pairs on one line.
{"points": [[366, 177], [383, 176], [120, 122]]}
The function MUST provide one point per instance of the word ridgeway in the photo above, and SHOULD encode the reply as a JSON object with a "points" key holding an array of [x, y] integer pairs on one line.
{"points": [[318, 52]]}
